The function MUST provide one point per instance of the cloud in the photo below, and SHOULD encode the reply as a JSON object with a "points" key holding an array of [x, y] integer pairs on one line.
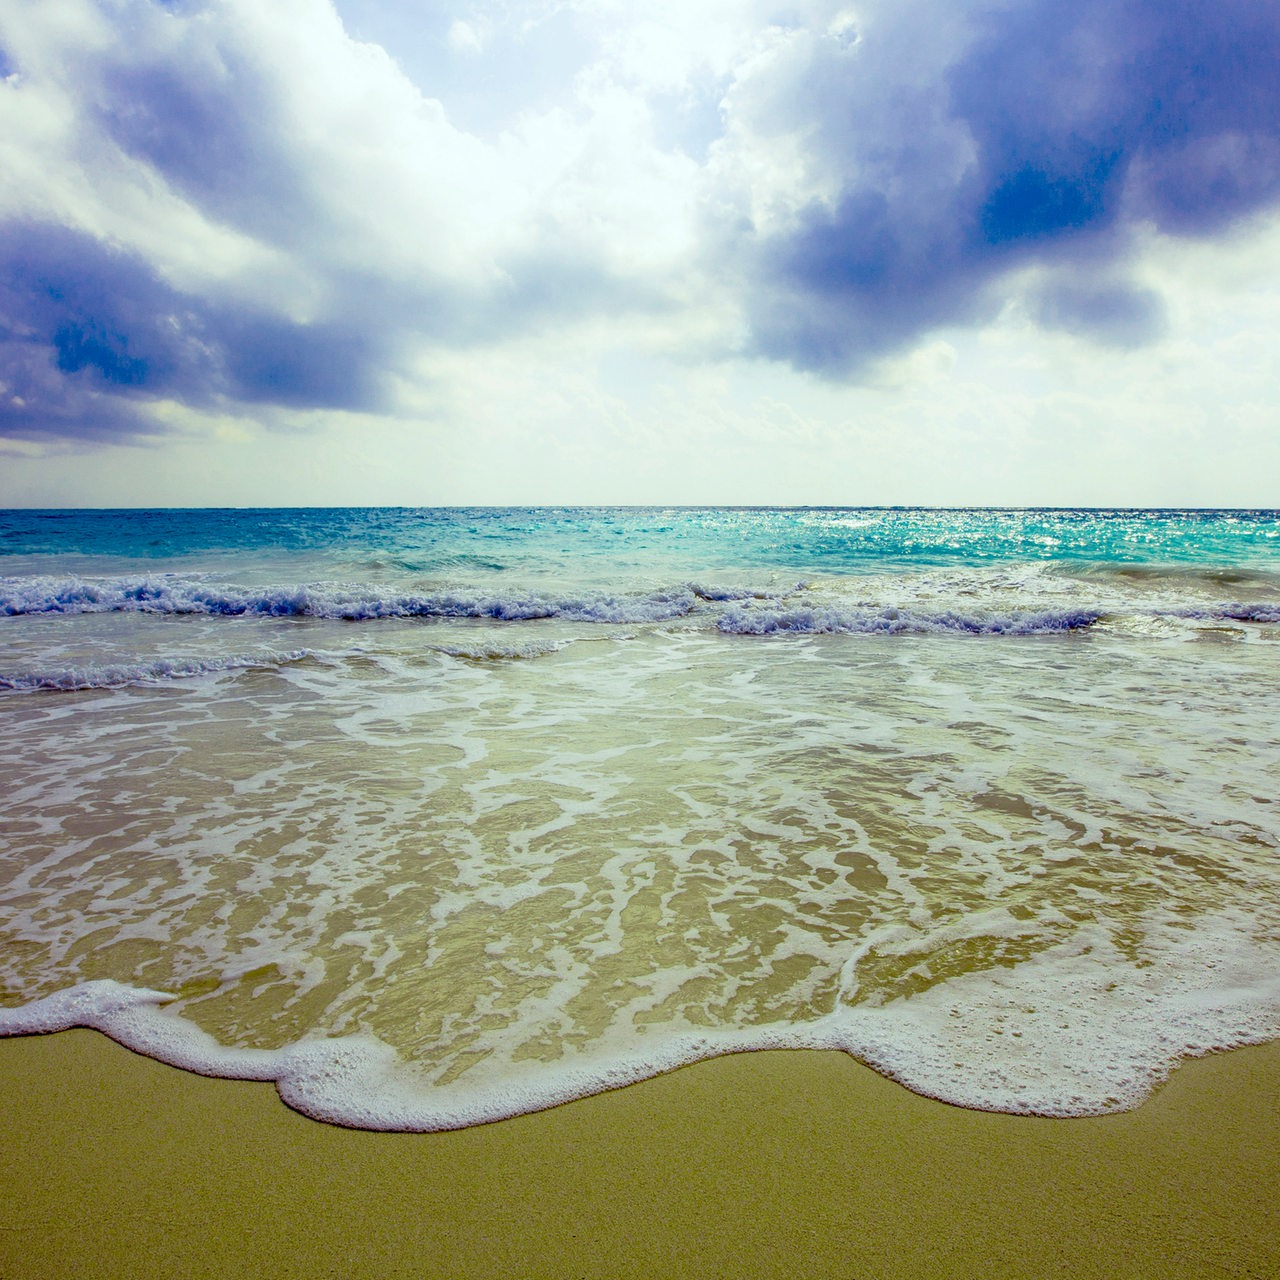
{"points": [[908, 176], [237, 207], [1120, 314], [90, 330], [233, 203], [167, 234], [466, 37]]}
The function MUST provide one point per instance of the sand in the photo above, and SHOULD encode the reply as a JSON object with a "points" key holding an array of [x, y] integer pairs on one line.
{"points": [[769, 1164]]}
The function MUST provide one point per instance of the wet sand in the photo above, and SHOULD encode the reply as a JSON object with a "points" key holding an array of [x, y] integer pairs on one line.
{"points": [[766, 1164]]}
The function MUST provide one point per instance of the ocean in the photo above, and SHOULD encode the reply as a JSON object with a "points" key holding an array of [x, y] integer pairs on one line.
{"points": [[440, 816]]}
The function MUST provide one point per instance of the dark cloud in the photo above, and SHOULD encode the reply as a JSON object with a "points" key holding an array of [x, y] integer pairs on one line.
{"points": [[1081, 120], [39, 402], [88, 333], [269, 360], [209, 121], [955, 144], [194, 102], [91, 333], [1073, 96], [1117, 313]]}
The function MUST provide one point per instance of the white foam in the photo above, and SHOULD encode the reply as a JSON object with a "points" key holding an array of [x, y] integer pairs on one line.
{"points": [[1020, 601], [488, 650], [1055, 1037], [117, 675], [834, 620], [561, 849], [1234, 612], [172, 594]]}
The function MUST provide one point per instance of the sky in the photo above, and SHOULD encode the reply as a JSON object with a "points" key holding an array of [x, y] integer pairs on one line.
{"points": [[938, 252]]}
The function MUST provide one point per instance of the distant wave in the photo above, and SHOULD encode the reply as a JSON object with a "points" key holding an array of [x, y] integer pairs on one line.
{"points": [[1176, 575], [164, 595], [1230, 613], [718, 594], [487, 652], [889, 621], [735, 610], [118, 675]]}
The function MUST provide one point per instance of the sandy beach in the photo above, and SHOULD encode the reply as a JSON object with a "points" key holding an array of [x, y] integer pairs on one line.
{"points": [[765, 1164], [544, 541]]}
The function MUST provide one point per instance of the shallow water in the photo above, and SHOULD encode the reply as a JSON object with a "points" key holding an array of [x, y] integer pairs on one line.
{"points": [[441, 816]]}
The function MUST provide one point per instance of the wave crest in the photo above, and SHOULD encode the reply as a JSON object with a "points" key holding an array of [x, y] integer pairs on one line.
{"points": [[27, 597], [832, 620], [120, 675]]}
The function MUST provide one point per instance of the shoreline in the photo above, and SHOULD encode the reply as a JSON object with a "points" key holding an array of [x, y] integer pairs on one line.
{"points": [[771, 1163]]}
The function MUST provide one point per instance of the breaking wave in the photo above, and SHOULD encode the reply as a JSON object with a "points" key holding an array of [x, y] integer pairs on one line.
{"points": [[119, 675], [889, 621], [733, 610], [164, 595], [1265, 612]]}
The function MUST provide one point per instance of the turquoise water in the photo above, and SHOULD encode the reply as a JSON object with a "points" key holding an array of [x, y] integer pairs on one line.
{"points": [[437, 816], [540, 542]]}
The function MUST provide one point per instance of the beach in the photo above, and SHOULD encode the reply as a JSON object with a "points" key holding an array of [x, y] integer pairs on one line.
{"points": [[437, 817], [786, 1163], [892, 859], [639, 641]]}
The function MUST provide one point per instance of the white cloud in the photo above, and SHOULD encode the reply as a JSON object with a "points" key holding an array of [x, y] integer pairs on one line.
{"points": [[563, 301], [467, 37]]}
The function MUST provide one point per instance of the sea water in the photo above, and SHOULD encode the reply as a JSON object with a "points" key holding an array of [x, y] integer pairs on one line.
{"points": [[439, 816]]}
